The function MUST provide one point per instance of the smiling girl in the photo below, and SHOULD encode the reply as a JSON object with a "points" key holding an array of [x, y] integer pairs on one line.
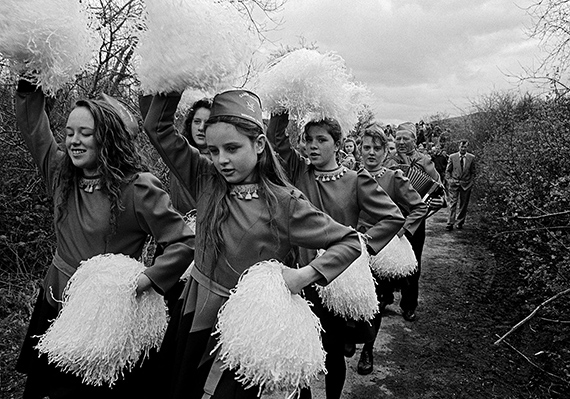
{"points": [[342, 194], [105, 203], [246, 212]]}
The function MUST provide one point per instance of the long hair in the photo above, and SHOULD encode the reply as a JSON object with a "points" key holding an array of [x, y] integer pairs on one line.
{"points": [[268, 173], [117, 158], [187, 132]]}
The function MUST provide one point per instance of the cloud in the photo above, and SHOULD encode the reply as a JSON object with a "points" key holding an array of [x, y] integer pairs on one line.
{"points": [[418, 57]]}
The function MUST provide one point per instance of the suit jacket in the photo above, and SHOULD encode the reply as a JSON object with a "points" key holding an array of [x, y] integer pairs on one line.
{"points": [[455, 176]]}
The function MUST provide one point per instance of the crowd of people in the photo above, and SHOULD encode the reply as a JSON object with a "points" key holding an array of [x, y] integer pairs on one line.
{"points": [[255, 196]]}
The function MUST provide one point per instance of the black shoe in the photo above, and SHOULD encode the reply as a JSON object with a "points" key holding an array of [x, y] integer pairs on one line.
{"points": [[449, 227], [349, 349], [366, 362], [409, 315]]}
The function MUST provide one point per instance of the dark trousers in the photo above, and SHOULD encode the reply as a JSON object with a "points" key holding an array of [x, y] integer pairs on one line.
{"points": [[410, 287]]}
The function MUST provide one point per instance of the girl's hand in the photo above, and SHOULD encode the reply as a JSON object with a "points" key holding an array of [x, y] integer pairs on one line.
{"points": [[297, 279], [143, 284]]}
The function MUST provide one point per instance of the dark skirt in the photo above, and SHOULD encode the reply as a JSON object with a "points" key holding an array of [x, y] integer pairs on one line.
{"points": [[185, 362], [44, 379]]}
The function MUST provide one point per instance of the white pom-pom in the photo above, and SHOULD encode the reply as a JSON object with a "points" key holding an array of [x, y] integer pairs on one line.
{"points": [[270, 337], [49, 40], [190, 220], [199, 44], [102, 329], [311, 86], [352, 295], [396, 259]]}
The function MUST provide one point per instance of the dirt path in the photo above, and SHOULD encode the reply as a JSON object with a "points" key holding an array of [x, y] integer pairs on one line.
{"points": [[448, 352]]}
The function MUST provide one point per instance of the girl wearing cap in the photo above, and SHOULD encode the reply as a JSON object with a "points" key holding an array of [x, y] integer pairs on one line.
{"points": [[406, 153], [246, 212], [374, 148], [104, 202], [343, 194]]}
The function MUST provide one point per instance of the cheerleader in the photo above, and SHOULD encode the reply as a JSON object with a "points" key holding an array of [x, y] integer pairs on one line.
{"points": [[104, 202], [246, 213], [374, 149], [342, 194]]}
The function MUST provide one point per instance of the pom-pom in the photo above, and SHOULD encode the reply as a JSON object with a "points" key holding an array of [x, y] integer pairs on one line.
{"points": [[48, 40], [311, 86], [352, 295], [199, 44], [270, 337], [190, 220], [103, 329], [395, 260]]}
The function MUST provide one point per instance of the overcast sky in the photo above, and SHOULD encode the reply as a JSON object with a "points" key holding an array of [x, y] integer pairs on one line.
{"points": [[419, 57]]}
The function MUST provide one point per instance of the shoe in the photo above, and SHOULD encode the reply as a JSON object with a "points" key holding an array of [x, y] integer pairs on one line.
{"points": [[349, 349], [409, 315], [459, 226], [366, 362], [449, 227]]}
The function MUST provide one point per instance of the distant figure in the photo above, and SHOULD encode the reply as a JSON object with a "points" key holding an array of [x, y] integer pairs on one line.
{"points": [[440, 158], [460, 173]]}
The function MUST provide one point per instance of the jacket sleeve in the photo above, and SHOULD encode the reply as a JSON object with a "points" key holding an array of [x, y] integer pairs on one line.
{"points": [[276, 134], [311, 228], [407, 198], [373, 200], [35, 129], [184, 161], [156, 216]]}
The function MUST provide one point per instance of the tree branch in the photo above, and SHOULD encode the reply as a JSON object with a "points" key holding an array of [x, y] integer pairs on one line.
{"points": [[531, 315]]}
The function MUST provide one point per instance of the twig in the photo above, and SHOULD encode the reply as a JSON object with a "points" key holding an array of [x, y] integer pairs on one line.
{"points": [[535, 365], [541, 216], [533, 229], [555, 321], [520, 323]]}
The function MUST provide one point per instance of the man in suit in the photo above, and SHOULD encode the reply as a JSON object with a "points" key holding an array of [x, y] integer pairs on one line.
{"points": [[460, 173]]}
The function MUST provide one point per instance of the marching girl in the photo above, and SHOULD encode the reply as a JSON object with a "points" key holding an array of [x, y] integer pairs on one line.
{"points": [[104, 202], [374, 149], [406, 153], [351, 160], [246, 213], [342, 194]]}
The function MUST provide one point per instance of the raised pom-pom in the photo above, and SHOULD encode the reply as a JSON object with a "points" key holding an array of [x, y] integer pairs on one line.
{"points": [[198, 44], [311, 86], [48, 40], [395, 260], [270, 337], [103, 329], [352, 295]]}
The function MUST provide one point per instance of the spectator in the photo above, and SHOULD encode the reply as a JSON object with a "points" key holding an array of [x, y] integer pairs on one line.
{"points": [[460, 173]]}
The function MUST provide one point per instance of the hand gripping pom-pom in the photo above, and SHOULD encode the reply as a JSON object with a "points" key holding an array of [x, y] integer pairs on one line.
{"points": [[311, 86], [51, 41], [198, 44], [269, 336], [352, 295], [396, 259], [103, 329]]}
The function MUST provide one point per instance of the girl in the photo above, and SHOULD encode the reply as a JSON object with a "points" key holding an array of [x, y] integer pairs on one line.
{"points": [[104, 203], [351, 159], [374, 149], [247, 212], [342, 194]]}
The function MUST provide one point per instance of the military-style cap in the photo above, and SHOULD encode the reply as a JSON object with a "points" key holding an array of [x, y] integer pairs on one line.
{"points": [[241, 103]]}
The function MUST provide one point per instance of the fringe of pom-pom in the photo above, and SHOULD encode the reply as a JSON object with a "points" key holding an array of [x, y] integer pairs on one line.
{"points": [[312, 86], [270, 337], [352, 295], [48, 40], [199, 44], [395, 260], [103, 330]]}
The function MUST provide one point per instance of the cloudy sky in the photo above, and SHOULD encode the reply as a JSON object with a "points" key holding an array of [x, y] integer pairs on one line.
{"points": [[419, 57]]}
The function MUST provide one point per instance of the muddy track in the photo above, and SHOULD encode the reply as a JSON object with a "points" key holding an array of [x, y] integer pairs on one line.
{"points": [[465, 301]]}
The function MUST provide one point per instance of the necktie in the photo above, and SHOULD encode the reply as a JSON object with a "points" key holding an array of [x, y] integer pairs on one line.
{"points": [[462, 162]]}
